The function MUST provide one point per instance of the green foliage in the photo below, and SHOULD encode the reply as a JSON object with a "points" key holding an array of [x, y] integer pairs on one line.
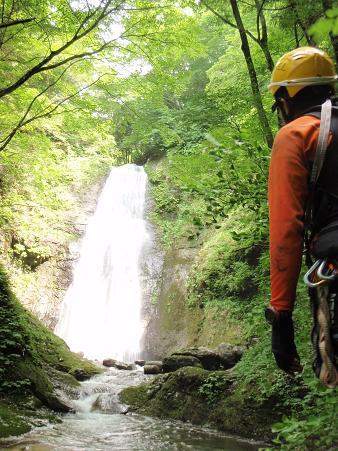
{"points": [[15, 342], [325, 25], [28, 349], [175, 185], [316, 427], [213, 387]]}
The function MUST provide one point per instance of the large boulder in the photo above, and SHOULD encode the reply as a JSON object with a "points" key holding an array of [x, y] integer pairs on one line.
{"points": [[225, 356], [116, 364], [176, 361], [152, 368], [109, 362], [229, 354], [209, 359]]}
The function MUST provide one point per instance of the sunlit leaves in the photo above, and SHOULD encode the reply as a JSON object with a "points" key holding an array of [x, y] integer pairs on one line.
{"points": [[325, 25]]}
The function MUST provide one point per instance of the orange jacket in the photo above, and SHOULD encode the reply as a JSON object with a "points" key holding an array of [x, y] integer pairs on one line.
{"points": [[293, 150]]}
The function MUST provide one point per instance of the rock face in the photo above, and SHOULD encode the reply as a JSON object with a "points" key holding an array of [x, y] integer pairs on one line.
{"points": [[167, 330]]}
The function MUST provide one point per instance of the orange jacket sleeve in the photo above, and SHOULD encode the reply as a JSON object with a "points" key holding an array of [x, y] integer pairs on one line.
{"points": [[293, 149]]}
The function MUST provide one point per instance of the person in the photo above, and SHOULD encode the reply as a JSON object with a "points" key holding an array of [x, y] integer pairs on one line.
{"points": [[302, 80]]}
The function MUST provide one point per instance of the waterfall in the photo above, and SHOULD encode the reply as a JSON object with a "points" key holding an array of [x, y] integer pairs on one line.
{"points": [[101, 312]]}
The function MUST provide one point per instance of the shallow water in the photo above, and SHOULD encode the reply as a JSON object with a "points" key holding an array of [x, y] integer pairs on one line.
{"points": [[99, 424]]}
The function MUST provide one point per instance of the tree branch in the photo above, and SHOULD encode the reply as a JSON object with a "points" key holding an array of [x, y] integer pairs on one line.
{"points": [[47, 111], [15, 22], [41, 66], [228, 22]]}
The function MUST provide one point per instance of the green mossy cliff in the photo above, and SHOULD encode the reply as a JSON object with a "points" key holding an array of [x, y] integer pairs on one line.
{"points": [[34, 366], [219, 295]]}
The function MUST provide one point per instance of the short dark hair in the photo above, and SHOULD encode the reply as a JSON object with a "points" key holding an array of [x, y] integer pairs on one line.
{"points": [[307, 97]]}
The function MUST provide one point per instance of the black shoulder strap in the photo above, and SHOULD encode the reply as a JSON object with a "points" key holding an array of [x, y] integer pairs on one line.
{"points": [[325, 124]]}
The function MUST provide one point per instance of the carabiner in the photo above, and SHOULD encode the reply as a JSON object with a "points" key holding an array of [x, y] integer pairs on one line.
{"points": [[309, 273], [323, 276]]}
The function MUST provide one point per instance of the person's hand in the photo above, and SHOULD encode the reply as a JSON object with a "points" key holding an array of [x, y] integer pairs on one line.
{"points": [[283, 344]]}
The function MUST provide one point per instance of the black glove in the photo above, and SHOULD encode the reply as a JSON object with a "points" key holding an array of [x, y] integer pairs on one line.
{"points": [[283, 344]]}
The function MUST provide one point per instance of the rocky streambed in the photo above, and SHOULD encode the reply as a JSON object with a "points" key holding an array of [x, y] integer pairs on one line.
{"points": [[102, 422], [199, 385]]}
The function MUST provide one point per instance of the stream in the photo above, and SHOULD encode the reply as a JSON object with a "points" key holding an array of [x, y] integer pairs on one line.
{"points": [[101, 423]]}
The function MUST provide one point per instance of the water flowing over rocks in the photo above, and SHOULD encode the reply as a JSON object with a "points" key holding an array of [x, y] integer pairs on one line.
{"points": [[116, 364]]}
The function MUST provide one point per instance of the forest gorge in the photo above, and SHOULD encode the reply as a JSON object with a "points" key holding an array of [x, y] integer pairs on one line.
{"points": [[179, 86]]}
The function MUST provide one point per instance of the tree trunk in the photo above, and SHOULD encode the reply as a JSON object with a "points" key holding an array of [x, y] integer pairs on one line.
{"points": [[263, 35], [252, 74], [327, 4]]}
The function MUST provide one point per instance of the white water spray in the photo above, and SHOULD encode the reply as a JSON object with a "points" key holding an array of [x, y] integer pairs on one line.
{"points": [[101, 313]]}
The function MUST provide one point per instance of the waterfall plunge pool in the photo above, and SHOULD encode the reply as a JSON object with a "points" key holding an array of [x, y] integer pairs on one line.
{"points": [[99, 425]]}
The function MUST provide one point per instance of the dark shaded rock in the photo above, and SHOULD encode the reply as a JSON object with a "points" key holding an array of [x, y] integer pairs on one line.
{"points": [[116, 364], [174, 362], [152, 369], [229, 354], [109, 362], [124, 366], [154, 362], [140, 362], [80, 374], [209, 359], [51, 400]]}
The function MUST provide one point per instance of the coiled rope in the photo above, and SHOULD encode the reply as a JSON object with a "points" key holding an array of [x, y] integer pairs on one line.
{"points": [[328, 372]]}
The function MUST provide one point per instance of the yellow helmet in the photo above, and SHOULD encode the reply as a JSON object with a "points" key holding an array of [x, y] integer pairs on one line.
{"points": [[302, 67]]}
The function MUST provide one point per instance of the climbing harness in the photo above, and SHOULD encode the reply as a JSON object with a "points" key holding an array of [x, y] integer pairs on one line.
{"points": [[322, 273]]}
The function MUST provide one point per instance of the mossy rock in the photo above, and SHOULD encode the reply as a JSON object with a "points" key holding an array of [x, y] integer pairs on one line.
{"points": [[19, 414], [205, 398]]}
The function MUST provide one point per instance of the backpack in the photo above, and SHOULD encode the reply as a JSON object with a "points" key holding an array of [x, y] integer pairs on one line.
{"points": [[321, 214]]}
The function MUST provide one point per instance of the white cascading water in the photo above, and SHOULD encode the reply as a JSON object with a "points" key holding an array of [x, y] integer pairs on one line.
{"points": [[101, 313]]}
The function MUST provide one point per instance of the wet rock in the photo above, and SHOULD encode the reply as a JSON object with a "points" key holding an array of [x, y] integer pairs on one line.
{"points": [[125, 410], [140, 362], [225, 356], [124, 366], [229, 354], [152, 368], [109, 362], [116, 364], [174, 362], [81, 375], [52, 401], [209, 359]]}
